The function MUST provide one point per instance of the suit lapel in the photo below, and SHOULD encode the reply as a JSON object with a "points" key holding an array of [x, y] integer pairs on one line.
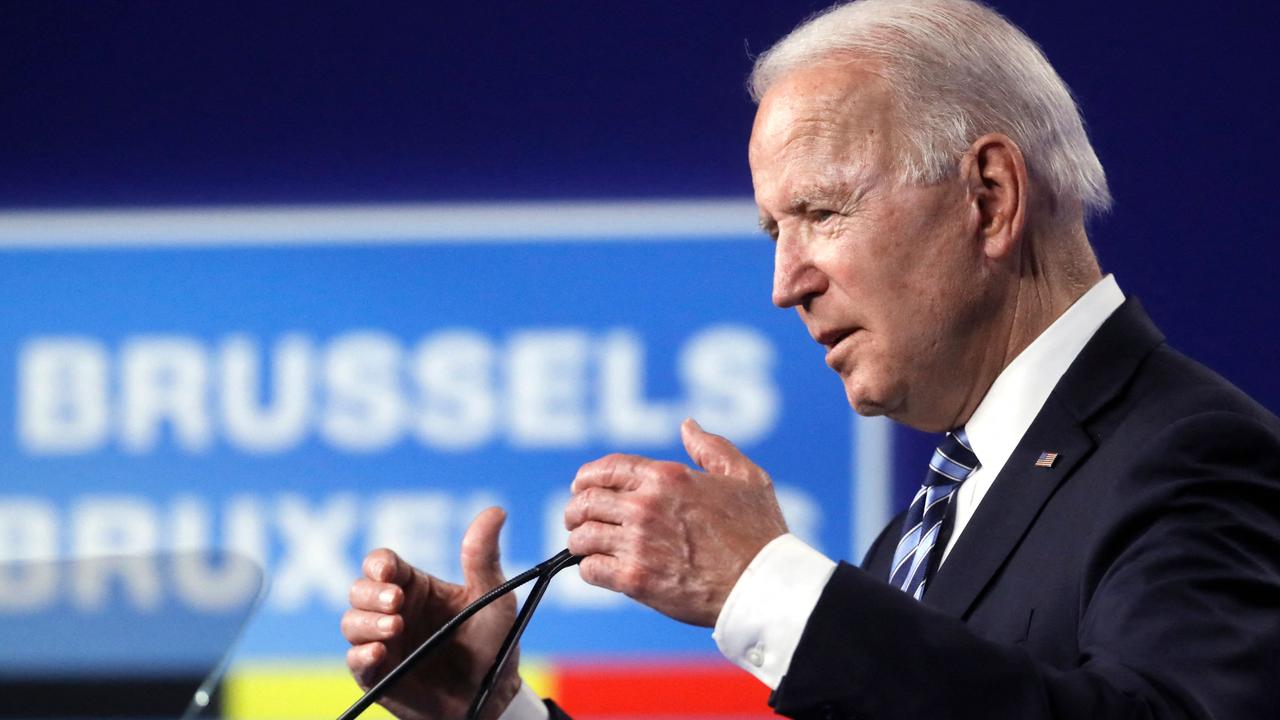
{"points": [[1021, 489], [1009, 508]]}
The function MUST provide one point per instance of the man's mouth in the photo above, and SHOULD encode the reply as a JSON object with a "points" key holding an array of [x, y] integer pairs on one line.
{"points": [[830, 338]]}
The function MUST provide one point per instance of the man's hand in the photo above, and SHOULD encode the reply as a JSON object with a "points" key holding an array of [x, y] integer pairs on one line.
{"points": [[667, 535], [394, 607]]}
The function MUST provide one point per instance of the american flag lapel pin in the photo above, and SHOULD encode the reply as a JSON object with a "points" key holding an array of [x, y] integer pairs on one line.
{"points": [[1046, 459]]}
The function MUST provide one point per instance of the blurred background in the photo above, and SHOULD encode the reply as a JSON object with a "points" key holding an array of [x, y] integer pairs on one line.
{"points": [[296, 280]]}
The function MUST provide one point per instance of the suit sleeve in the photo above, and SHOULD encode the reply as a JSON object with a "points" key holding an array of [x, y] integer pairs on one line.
{"points": [[1179, 613]]}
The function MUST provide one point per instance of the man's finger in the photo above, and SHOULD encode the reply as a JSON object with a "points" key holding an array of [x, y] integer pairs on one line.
{"points": [[381, 597], [362, 626], [602, 571], [712, 452], [386, 566], [363, 661], [595, 538], [616, 472], [481, 559], [595, 503]]}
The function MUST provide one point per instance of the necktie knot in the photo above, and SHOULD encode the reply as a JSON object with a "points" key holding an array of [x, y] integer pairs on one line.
{"points": [[953, 461], [917, 553]]}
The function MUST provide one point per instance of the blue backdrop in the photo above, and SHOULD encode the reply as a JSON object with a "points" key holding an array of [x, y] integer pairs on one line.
{"points": [[178, 104], [302, 404]]}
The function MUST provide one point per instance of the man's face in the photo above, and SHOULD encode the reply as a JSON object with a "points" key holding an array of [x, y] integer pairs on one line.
{"points": [[887, 275]]}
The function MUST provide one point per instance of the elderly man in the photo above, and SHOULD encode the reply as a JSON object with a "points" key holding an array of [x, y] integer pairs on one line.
{"points": [[1098, 535]]}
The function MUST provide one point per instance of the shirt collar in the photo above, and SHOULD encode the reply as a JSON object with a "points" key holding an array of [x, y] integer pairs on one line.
{"points": [[1021, 389]]}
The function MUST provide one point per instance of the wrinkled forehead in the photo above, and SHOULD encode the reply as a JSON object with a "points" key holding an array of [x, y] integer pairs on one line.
{"points": [[837, 115]]}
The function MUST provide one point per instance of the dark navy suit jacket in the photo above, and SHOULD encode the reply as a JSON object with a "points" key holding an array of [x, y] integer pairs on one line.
{"points": [[1139, 577]]}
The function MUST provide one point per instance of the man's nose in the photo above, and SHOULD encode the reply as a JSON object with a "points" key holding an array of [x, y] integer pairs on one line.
{"points": [[795, 278]]}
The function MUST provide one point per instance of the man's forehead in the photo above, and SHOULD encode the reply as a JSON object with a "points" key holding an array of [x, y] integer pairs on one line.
{"points": [[821, 134], [821, 106]]}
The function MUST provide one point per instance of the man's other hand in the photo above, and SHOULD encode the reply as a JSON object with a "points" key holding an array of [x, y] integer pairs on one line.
{"points": [[667, 535], [395, 607]]}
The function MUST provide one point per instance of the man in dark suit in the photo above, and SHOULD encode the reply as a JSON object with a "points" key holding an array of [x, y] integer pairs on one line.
{"points": [[1099, 533]]}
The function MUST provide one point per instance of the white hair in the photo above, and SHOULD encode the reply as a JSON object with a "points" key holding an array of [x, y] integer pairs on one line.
{"points": [[956, 70]]}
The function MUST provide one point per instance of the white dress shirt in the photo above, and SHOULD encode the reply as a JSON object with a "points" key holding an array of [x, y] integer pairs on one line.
{"points": [[764, 616]]}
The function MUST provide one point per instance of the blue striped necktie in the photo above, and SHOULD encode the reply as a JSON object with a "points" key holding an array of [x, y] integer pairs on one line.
{"points": [[917, 554]]}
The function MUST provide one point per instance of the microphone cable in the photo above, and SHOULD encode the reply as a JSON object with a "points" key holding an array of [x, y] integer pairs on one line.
{"points": [[542, 573]]}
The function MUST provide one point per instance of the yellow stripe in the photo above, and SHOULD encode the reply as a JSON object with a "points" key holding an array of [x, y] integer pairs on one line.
{"points": [[308, 689], [539, 675]]}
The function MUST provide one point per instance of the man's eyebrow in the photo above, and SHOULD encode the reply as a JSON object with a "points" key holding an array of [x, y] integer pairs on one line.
{"points": [[800, 202], [849, 193]]}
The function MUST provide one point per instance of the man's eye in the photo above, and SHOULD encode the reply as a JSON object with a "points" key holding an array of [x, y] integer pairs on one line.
{"points": [[821, 216]]}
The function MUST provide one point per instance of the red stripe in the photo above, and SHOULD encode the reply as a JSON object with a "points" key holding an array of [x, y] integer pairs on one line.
{"points": [[660, 689]]}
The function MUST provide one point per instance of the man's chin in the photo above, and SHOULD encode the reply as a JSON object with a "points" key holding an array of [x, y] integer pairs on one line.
{"points": [[869, 405], [869, 410], [864, 403]]}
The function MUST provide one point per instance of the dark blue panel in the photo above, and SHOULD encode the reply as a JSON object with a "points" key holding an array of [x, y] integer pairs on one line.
{"points": [[147, 103]]}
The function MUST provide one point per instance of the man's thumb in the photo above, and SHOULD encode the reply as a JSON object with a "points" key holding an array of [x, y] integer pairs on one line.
{"points": [[711, 452], [481, 560]]}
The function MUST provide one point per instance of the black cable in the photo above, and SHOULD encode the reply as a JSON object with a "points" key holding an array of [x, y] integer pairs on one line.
{"points": [[554, 565], [543, 572]]}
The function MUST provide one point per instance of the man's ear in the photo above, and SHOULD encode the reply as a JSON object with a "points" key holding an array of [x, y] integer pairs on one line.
{"points": [[996, 173]]}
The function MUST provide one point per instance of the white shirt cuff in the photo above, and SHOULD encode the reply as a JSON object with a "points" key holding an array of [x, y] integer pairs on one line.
{"points": [[526, 705], [761, 622]]}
